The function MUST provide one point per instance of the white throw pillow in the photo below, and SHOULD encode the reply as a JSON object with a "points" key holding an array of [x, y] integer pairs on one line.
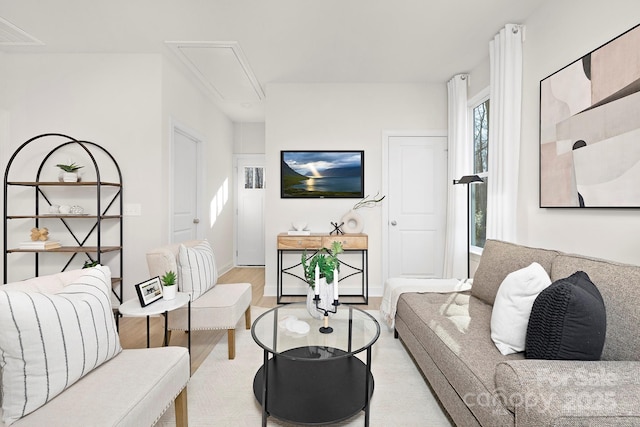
{"points": [[197, 271], [49, 341], [512, 307]]}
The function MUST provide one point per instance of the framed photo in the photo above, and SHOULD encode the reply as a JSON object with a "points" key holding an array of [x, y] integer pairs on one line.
{"points": [[589, 129], [322, 174], [149, 291]]}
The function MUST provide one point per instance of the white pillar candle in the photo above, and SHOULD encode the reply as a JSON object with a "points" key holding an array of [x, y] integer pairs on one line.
{"points": [[316, 285], [335, 284]]}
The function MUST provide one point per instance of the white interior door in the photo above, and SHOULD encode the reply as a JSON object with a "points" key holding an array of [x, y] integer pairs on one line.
{"points": [[250, 191], [417, 175], [185, 187]]}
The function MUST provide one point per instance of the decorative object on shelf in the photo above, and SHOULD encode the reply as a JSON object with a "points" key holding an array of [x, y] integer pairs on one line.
{"points": [[366, 202], [149, 291], [39, 234], [352, 220], [337, 228], [54, 209], [76, 210], [64, 209], [321, 273], [299, 225], [40, 245], [169, 287], [69, 172], [299, 229]]}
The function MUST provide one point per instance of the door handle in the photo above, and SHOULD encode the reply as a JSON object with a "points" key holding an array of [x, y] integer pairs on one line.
{"points": [[393, 223], [196, 221]]}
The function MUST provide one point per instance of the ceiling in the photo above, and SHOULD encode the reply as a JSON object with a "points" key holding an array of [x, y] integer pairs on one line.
{"points": [[238, 47]]}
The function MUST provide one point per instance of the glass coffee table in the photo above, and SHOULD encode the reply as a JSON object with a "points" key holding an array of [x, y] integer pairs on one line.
{"points": [[313, 377]]}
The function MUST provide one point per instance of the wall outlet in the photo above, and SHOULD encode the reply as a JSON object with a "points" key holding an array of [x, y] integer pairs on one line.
{"points": [[132, 209]]}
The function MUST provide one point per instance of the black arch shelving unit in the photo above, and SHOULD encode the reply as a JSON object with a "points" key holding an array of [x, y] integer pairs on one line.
{"points": [[87, 241]]}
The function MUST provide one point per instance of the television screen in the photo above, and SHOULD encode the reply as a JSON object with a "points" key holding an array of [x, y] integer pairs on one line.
{"points": [[322, 174]]}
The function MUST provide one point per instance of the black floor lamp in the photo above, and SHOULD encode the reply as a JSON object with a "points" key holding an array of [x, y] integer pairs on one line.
{"points": [[468, 179]]}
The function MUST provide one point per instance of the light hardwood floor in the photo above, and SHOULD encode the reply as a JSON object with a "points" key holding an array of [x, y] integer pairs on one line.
{"points": [[133, 331]]}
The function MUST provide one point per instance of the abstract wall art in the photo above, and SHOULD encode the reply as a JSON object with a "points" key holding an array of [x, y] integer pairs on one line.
{"points": [[590, 129]]}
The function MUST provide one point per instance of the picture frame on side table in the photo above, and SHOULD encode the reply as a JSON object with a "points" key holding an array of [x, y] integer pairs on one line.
{"points": [[149, 291]]}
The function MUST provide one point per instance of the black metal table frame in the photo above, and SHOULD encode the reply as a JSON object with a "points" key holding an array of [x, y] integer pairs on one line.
{"points": [[266, 361], [364, 271]]}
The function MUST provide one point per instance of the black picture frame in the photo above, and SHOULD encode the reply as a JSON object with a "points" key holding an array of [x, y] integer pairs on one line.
{"points": [[149, 291], [589, 129], [322, 174]]}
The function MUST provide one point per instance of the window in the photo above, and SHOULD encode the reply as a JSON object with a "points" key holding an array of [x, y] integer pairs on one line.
{"points": [[478, 206], [253, 178]]}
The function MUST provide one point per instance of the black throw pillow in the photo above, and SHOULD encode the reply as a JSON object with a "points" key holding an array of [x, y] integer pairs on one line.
{"points": [[567, 322]]}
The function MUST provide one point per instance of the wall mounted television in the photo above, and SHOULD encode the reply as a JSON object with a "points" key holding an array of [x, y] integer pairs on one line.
{"points": [[322, 174]]}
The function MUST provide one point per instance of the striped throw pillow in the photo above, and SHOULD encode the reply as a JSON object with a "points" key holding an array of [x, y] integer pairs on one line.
{"points": [[50, 341], [197, 271]]}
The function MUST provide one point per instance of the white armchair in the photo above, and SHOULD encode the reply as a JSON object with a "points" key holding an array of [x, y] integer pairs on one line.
{"points": [[213, 306]]}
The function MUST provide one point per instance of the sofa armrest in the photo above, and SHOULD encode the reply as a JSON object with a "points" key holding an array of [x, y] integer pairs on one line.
{"points": [[561, 392], [163, 258]]}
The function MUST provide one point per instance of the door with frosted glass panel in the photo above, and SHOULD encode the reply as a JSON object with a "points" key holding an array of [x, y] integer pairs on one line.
{"points": [[250, 210]]}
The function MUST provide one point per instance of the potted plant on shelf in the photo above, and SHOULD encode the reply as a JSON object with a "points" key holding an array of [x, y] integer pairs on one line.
{"points": [[169, 287], [69, 172], [321, 273]]}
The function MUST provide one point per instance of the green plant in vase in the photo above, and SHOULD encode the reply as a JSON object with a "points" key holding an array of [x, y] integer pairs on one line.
{"points": [[169, 285], [169, 278], [69, 172], [327, 262]]}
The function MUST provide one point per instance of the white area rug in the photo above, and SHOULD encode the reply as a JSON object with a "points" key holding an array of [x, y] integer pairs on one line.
{"points": [[221, 391]]}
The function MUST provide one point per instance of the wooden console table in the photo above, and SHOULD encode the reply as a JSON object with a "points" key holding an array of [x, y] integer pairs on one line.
{"points": [[312, 243]]}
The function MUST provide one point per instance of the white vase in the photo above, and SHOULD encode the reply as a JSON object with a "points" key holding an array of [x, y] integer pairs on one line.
{"points": [[69, 177], [353, 222], [169, 292], [326, 300]]}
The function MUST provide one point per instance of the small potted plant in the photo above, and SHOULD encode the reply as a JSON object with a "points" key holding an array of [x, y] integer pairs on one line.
{"points": [[69, 172], [320, 272], [169, 287]]}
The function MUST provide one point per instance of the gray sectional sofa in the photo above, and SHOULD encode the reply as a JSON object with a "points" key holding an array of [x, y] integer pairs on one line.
{"points": [[449, 337]]}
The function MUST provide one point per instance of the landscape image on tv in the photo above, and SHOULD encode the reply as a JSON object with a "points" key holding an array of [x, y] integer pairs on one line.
{"points": [[322, 174]]}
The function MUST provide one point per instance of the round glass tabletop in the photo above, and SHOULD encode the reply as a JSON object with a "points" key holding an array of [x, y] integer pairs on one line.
{"points": [[290, 326]]}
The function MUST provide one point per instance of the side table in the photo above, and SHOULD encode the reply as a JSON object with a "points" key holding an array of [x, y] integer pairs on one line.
{"points": [[133, 308]]}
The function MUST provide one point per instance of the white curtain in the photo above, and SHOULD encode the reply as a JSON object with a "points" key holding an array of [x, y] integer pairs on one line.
{"points": [[460, 163], [505, 52]]}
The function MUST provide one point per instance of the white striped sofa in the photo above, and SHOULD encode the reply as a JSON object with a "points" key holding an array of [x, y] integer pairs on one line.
{"points": [[67, 322]]}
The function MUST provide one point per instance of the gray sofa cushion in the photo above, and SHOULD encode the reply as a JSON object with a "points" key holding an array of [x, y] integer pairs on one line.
{"points": [[618, 285], [501, 258], [455, 329]]}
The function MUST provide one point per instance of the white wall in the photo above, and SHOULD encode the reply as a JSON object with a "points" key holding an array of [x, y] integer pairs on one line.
{"points": [[248, 138], [339, 117], [124, 103], [556, 35], [184, 103], [112, 100]]}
